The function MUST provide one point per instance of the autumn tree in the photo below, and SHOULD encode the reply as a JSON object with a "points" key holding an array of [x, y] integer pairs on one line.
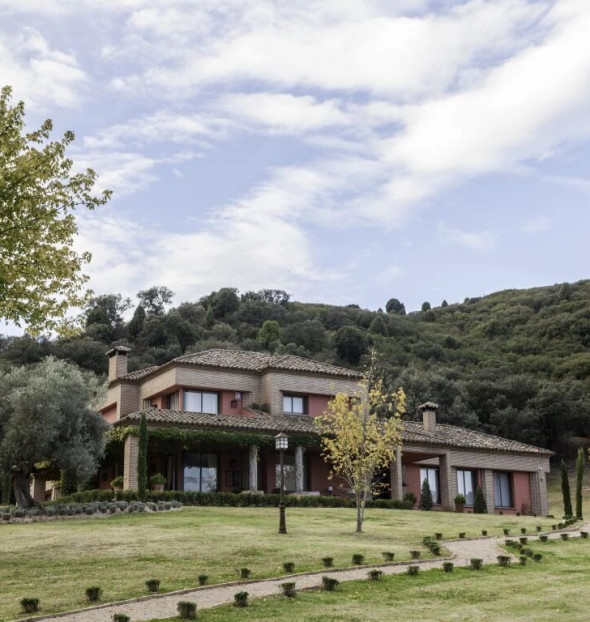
{"points": [[360, 436], [40, 273], [47, 417]]}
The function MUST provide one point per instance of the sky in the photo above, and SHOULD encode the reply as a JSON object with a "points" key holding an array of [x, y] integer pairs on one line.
{"points": [[345, 151]]}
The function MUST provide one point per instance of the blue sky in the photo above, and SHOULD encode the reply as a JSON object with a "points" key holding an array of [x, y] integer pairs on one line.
{"points": [[346, 151]]}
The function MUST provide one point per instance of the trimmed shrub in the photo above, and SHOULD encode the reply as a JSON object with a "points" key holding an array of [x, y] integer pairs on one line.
{"points": [[584, 534], [509, 542], [539, 528], [554, 527], [476, 563], [426, 496], [523, 539], [203, 579], [461, 534], [479, 504], [506, 532], [30, 605], [388, 556], [415, 554], [448, 566], [504, 560], [528, 552], [153, 585], [435, 549], [245, 573], [523, 530], [329, 584], [438, 535], [537, 557], [289, 566], [413, 570], [186, 610], [121, 617], [375, 575], [358, 559], [543, 538], [93, 594], [484, 532], [522, 560], [328, 562], [288, 589], [565, 536]]}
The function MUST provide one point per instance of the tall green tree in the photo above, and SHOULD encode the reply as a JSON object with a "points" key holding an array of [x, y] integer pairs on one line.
{"points": [[269, 333], [40, 273], [426, 496], [580, 464], [142, 459], [154, 299], [479, 505], [565, 491], [48, 415]]}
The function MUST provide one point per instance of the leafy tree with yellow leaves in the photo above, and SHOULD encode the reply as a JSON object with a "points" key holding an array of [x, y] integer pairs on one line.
{"points": [[360, 435], [40, 274]]}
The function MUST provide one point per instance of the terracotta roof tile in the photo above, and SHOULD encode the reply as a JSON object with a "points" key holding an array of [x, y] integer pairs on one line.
{"points": [[250, 361], [413, 432]]}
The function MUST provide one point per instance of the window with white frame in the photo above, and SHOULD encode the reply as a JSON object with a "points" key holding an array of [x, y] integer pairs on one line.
{"points": [[502, 490], [293, 404], [201, 402], [431, 475], [466, 483]]}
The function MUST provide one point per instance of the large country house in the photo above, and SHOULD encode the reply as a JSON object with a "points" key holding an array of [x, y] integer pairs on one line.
{"points": [[212, 417]]}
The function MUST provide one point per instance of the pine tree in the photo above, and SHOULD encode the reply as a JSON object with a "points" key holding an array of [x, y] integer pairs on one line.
{"points": [[209, 319], [426, 496], [580, 463], [565, 491], [142, 459], [480, 505]]}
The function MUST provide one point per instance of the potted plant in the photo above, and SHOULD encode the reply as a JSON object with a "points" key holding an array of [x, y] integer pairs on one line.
{"points": [[460, 502], [117, 483], [157, 482]]}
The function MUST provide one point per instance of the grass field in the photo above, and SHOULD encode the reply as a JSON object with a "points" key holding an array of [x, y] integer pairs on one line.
{"points": [[554, 589], [56, 561]]}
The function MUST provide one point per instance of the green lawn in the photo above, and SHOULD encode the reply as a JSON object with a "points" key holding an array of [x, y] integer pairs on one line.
{"points": [[554, 589], [56, 561]]}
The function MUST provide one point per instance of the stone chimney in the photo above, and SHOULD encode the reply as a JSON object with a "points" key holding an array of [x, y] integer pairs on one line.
{"points": [[117, 362], [428, 410]]}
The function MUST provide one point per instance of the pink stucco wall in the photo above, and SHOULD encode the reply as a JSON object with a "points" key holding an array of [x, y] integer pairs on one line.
{"points": [[521, 492], [317, 404], [412, 479], [110, 414]]}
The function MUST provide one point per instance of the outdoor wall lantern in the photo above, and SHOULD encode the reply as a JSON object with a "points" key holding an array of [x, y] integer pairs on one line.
{"points": [[281, 444]]}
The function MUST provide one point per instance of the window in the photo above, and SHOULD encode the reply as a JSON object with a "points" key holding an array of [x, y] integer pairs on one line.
{"points": [[293, 404], [172, 401], [502, 490], [200, 472], [147, 403], [431, 474], [466, 484], [201, 402], [289, 466]]}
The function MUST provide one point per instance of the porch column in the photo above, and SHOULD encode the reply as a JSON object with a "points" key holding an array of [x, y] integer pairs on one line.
{"points": [[539, 504], [253, 468], [447, 486], [130, 463], [488, 489], [38, 489], [299, 469], [396, 476]]}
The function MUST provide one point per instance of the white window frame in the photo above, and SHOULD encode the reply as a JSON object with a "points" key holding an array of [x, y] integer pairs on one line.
{"points": [[200, 397], [289, 404], [433, 477], [461, 489], [503, 486]]}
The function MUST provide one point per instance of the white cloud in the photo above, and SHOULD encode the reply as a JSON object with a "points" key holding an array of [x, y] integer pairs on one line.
{"points": [[482, 241], [537, 225]]}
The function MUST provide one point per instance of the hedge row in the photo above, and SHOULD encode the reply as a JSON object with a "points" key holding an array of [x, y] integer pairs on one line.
{"points": [[230, 499]]}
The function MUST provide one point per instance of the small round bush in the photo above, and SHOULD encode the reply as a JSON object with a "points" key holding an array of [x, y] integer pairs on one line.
{"points": [[289, 566], [523, 530], [202, 579], [504, 560], [30, 605], [522, 560], [153, 585], [543, 538], [476, 563], [121, 617], [329, 584], [523, 540], [584, 534], [245, 573], [186, 610], [413, 570], [241, 599], [438, 535], [565, 536], [539, 528], [375, 575], [388, 556], [415, 554], [448, 566], [93, 594], [484, 532], [288, 589], [506, 532], [537, 557], [461, 534], [358, 559], [328, 562], [509, 542]]}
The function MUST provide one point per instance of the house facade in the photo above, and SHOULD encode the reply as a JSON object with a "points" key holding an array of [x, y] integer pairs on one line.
{"points": [[212, 417]]}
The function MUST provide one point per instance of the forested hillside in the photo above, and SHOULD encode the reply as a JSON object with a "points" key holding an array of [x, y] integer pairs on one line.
{"points": [[515, 363]]}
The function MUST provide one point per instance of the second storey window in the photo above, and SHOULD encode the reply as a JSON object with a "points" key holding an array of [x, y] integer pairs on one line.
{"points": [[172, 401], [201, 402], [293, 404]]}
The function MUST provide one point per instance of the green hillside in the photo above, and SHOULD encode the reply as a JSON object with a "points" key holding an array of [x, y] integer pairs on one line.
{"points": [[514, 363]]}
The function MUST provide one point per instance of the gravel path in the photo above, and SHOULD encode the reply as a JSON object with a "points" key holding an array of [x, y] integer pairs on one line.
{"points": [[164, 606]]}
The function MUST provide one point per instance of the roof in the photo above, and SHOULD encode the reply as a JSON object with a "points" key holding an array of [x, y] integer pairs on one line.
{"points": [[249, 361], [413, 432]]}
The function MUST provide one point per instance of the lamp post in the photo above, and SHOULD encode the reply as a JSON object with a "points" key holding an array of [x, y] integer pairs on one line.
{"points": [[282, 443]]}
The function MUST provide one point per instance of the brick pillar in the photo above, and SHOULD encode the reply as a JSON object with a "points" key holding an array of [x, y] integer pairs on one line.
{"points": [[253, 468], [130, 463], [488, 489], [538, 485], [299, 483], [38, 489], [447, 486], [396, 476]]}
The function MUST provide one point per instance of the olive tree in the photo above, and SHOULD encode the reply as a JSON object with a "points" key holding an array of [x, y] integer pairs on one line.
{"points": [[47, 420]]}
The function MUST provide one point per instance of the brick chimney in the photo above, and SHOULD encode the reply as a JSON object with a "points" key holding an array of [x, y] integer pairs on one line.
{"points": [[117, 362], [428, 410]]}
